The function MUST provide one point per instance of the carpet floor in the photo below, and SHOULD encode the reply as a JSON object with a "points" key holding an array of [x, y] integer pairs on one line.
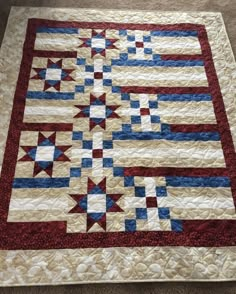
{"points": [[228, 8]]}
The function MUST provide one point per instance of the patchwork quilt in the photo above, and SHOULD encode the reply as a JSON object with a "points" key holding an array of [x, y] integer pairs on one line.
{"points": [[117, 147]]}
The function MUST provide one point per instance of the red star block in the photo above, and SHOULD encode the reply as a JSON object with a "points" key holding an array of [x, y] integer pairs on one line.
{"points": [[41, 75], [45, 165], [98, 217], [109, 43], [97, 101]]}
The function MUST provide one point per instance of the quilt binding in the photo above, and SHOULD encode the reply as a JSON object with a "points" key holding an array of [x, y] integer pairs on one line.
{"points": [[214, 264]]}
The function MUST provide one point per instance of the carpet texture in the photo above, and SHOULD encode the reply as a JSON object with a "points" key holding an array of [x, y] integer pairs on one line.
{"points": [[101, 154]]}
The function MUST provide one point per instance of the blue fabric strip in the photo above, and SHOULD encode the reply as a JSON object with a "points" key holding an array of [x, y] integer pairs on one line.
{"points": [[198, 136], [167, 63], [50, 95], [40, 183], [174, 33], [184, 97], [57, 30], [198, 181]]}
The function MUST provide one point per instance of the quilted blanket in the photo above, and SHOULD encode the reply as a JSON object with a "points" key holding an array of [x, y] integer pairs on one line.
{"points": [[117, 148]]}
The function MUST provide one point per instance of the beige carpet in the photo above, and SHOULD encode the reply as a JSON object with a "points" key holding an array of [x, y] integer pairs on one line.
{"points": [[228, 8]]}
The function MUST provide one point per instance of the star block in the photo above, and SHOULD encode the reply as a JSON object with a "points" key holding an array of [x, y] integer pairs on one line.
{"points": [[45, 153], [96, 203], [98, 43], [53, 74], [97, 111]]}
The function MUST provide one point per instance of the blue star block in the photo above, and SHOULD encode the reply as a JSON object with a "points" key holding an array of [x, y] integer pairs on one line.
{"points": [[163, 212], [129, 181], [141, 213], [161, 191], [118, 171], [75, 172], [77, 135], [130, 225], [107, 162], [87, 162], [176, 225], [140, 191]]}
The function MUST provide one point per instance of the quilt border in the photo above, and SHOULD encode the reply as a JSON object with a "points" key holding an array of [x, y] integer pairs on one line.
{"points": [[41, 267]]}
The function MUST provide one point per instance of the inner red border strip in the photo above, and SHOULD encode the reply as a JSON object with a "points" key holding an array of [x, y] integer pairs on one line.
{"points": [[55, 54], [176, 171], [45, 235], [164, 90], [181, 57], [194, 128], [63, 127]]}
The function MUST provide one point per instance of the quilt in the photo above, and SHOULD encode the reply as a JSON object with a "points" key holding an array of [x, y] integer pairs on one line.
{"points": [[118, 137]]}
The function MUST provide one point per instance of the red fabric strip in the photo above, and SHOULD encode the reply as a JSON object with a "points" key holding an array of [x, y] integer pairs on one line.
{"points": [[194, 128], [174, 171], [180, 57], [55, 54], [165, 90], [47, 127]]}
